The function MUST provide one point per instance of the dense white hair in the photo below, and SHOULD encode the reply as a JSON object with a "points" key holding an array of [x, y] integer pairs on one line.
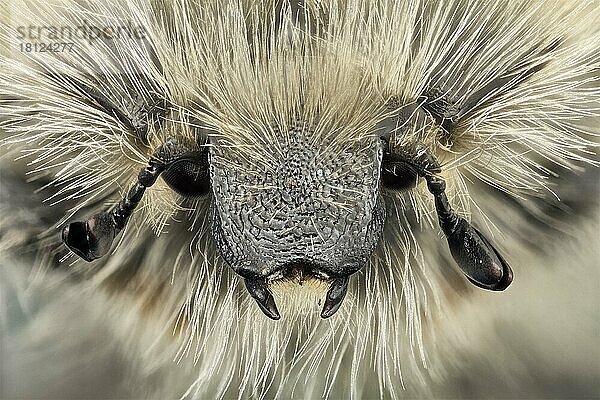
{"points": [[524, 75]]}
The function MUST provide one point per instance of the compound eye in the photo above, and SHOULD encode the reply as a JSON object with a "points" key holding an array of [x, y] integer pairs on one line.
{"points": [[189, 176], [398, 175]]}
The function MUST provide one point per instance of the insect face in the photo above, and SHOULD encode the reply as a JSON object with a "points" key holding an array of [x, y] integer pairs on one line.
{"points": [[302, 214], [297, 211]]}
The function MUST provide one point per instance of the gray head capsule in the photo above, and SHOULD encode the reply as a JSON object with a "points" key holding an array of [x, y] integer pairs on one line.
{"points": [[306, 212]]}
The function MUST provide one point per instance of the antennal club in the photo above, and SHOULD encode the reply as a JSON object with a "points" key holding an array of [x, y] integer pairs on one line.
{"points": [[185, 171], [476, 256], [92, 239]]}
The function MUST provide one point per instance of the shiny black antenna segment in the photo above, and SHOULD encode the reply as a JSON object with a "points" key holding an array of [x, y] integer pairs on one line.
{"points": [[185, 171], [475, 255], [92, 239]]}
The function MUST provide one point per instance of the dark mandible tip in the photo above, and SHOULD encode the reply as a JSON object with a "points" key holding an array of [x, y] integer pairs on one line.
{"points": [[260, 292], [335, 296]]}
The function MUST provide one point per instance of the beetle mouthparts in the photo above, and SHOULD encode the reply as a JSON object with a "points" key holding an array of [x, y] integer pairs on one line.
{"points": [[335, 296], [264, 298], [259, 290]]}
